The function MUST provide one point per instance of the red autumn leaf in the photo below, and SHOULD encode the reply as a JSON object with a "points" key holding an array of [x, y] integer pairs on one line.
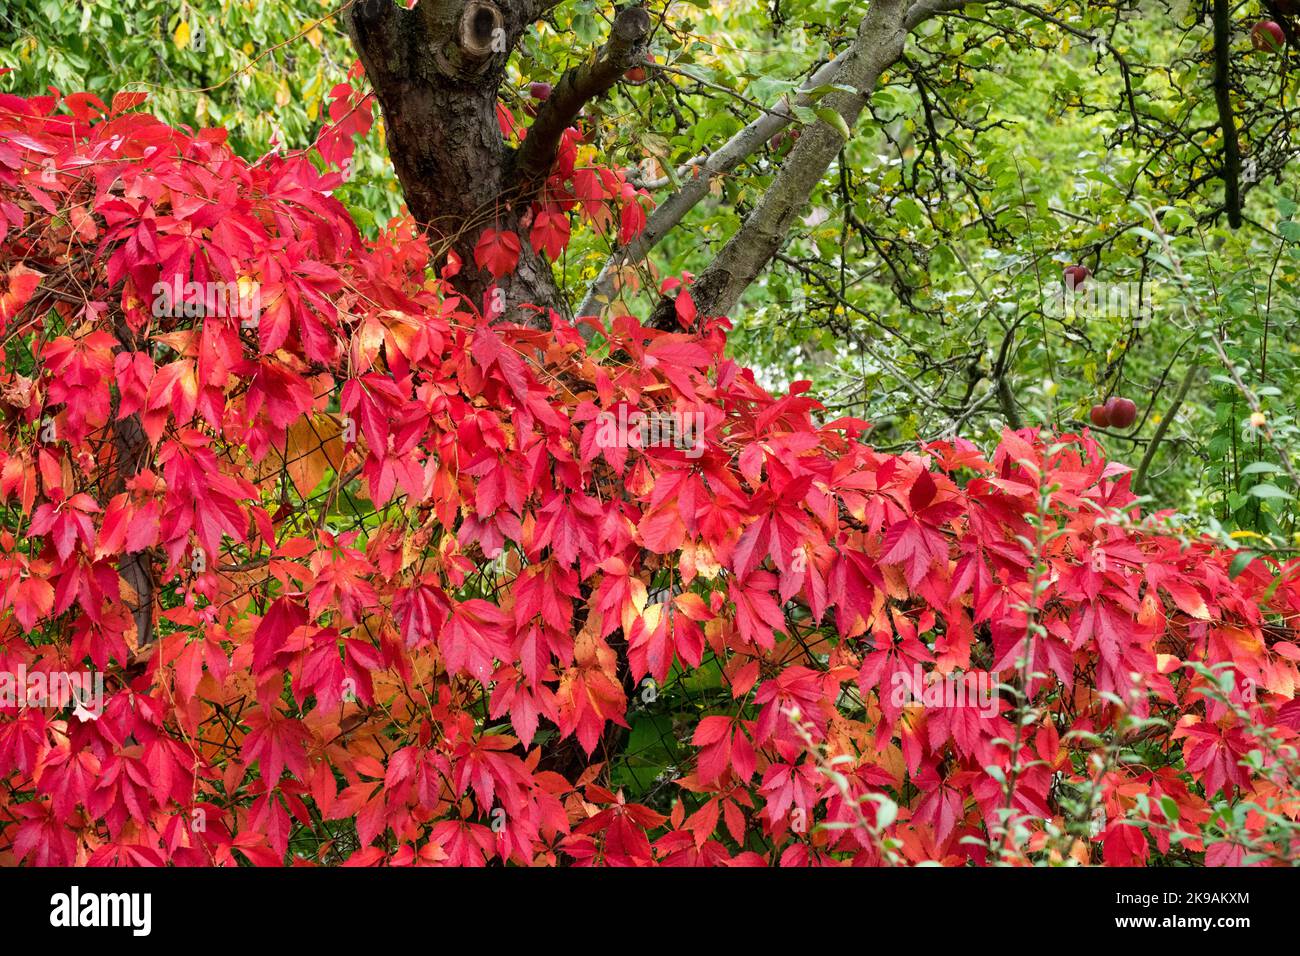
{"points": [[497, 251], [549, 233], [127, 100], [365, 557], [278, 744], [473, 636], [19, 284]]}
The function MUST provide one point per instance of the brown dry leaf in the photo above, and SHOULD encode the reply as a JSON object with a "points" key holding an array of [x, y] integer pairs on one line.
{"points": [[415, 546], [129, 595], [1079, 853], [243, 583], [132, 639], [65, 466], [314, 445], [591, 651], [895, 581]]}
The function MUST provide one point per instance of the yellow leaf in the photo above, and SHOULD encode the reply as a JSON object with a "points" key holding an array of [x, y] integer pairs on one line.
{"points": [[182, 35]]}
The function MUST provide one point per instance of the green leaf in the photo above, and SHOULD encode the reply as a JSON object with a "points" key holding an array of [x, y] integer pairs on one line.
{"points": [[909, 210], [1240, 562], [835, 121], [1169, 806], [1268, 491]]}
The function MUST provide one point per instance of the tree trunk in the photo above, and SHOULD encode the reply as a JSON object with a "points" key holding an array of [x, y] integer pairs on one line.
{"points": [[436, 71], [131, 447]]}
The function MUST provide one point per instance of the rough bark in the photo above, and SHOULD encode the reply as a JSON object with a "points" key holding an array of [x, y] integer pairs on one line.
{"points": [[132, 450], [1231, 172], [436, 71]]}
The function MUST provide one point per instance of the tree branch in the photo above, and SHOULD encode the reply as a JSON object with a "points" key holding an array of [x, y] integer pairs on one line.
{"points": [[624, 50], [1223, 98], [698, 173], [923, 10], [878, 44], [133, 451], [1139, 479]]}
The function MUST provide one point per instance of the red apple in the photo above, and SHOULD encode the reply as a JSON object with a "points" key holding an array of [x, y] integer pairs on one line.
{"points": [[1122, 412], [1076, 276], [635, 75], [1268, 35], [1099, 417], [539, 91]]}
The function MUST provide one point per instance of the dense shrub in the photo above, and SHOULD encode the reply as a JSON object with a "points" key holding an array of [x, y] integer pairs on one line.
{"points": [[371, 579]]}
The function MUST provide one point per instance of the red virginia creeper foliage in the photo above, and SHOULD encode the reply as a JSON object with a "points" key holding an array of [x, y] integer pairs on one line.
{"points": [[401, 690]]}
